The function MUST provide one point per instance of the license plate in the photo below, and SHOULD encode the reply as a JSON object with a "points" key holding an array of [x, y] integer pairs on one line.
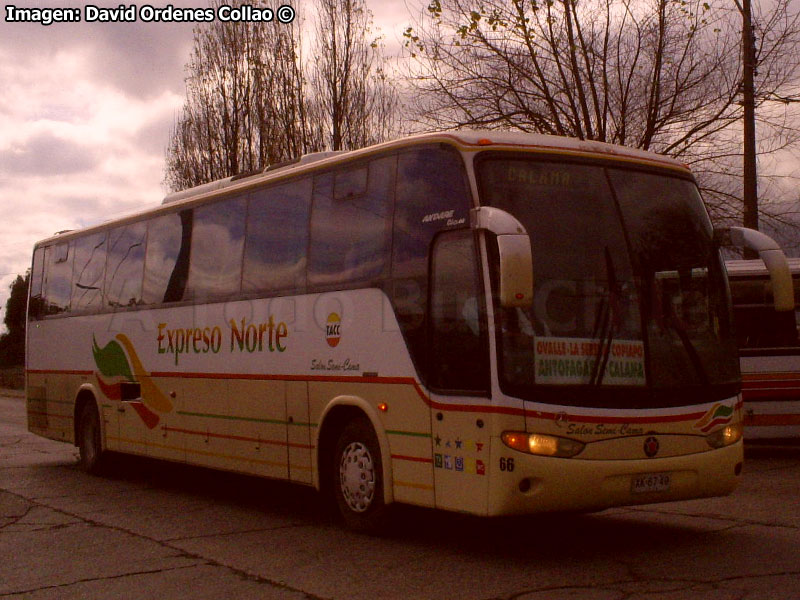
{"points": [[650, 482]]}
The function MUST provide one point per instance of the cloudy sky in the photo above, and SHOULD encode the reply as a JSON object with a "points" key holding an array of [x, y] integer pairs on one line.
{"points": [[85, 115]]}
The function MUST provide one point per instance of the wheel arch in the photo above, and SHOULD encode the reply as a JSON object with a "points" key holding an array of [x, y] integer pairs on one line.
{"points": [[87, 395], [340, 411]]}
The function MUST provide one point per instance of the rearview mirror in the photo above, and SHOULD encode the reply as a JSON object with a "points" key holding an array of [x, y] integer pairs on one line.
{"points": [[514, 250]]}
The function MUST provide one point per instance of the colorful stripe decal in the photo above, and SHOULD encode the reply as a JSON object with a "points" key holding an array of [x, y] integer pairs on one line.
{"points": [[719, 414], [433, 405]]}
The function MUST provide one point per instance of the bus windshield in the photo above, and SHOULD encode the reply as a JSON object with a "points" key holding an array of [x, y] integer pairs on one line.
{"points": [[630, 301]]}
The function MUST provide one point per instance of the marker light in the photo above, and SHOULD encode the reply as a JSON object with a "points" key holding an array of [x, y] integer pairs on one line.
{"points": [[383, 407], [730, 434], [542, 445]]}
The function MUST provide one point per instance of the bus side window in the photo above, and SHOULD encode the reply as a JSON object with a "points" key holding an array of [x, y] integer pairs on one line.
{"points": [[432, 195], [123, 284], [58, 278], [217, 246], [88, 269], [350, 223], [277, 238], [35, 303], [457, 336], [169, 241]]}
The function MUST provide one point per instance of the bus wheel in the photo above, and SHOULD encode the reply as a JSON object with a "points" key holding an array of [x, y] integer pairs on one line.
{"points": [[91, 449], [358, 478]]}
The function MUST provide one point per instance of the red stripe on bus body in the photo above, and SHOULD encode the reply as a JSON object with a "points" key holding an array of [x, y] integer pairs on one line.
{"points": [[762, 395], [238, 438], [487, 409], [333, 379], [269, 377], [412, 458], [771, 376], [432, 404], [771, 420], [475, 408], [56, 372], [770, 383]]}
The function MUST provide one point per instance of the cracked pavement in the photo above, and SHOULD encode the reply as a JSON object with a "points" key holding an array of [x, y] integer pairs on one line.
{"points": [[155, 530]]}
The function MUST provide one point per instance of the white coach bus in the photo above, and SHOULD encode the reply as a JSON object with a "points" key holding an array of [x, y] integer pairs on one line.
{"points": [[769, 351], [491, 323]]}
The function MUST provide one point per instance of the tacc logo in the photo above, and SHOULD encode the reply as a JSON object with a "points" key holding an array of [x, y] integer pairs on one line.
{"points": [[333, 330]]}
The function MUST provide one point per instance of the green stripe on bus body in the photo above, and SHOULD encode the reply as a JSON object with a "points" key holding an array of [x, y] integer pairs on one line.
{"points": [[248, 419], [408, 433]]}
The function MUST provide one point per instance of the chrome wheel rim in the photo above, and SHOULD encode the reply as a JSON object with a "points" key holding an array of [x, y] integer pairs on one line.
{"points": [[357, 477]]}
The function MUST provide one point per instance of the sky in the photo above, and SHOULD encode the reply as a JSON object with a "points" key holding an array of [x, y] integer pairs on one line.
{"points": [[86, 111], [85, 116]]}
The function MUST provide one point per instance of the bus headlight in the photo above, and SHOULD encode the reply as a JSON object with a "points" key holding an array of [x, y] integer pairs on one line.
{"points": [[730, 434], [542, 445]]}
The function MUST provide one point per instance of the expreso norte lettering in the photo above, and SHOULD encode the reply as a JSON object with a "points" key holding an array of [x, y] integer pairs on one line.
{"points": [[244, 337]]}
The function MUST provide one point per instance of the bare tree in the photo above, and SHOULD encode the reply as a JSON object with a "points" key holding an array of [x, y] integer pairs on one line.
{"points": [[245, 104], [248, 104], [355, 100], [662, 75]]}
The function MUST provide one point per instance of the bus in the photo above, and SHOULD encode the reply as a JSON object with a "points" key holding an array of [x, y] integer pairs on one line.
{"points": [[484, 322], [769, 351]]}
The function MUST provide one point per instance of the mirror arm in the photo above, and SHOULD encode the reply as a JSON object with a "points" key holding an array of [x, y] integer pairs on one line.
{"points": [[496, 221], [771, 253]]}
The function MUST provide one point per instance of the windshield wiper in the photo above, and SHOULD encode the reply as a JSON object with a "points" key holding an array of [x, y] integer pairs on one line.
{"points": [[604, 324]]}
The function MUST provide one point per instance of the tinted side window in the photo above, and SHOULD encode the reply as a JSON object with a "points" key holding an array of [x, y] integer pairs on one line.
{"points": [[277, 237], [87, 277], [57, 278], [432, 195], [169, 241], [457, 318], [35, 302], [350, 223], [215, 267], [764, 327], [758, 324], [123, 286]]}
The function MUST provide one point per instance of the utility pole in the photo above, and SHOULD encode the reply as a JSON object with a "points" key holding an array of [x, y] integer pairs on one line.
{"points": [[750, 217]]}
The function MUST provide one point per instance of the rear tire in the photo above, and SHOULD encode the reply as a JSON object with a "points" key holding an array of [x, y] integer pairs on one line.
{"points": [[92, 456], [357, 477]]}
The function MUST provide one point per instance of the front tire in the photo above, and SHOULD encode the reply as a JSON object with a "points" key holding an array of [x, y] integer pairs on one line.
{"points": [[92, 455], [357, 477]]}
